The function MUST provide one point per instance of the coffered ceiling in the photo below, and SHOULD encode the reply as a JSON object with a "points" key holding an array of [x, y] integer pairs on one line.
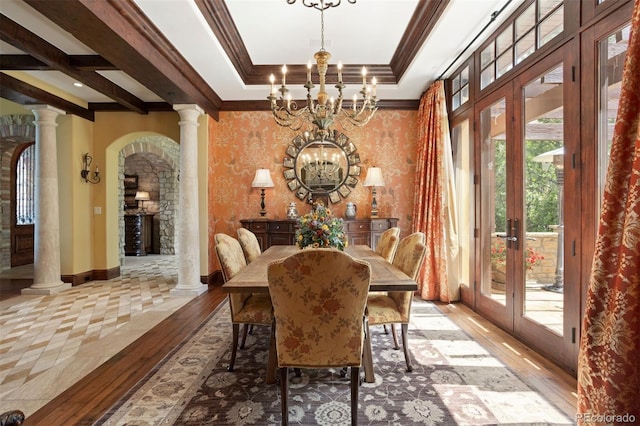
{"points": [[145, 55]]}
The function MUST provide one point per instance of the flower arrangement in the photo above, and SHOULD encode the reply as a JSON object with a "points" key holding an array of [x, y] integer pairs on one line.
{"points": [[499, 255], [320, 228]]}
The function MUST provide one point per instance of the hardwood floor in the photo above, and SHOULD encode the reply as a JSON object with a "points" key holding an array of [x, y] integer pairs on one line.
{"points": [[93, 395], [552, 381]]}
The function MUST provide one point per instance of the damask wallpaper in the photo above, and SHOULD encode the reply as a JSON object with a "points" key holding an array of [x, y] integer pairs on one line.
{"points": [[241, 142]]}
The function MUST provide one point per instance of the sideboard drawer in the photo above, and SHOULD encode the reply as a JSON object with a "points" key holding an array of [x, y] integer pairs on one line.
{"points": [[380, 224], [257, 226], [281, 227], [358, 226]]}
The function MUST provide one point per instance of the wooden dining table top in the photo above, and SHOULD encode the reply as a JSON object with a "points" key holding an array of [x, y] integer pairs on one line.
{"points": [[384, 276]]}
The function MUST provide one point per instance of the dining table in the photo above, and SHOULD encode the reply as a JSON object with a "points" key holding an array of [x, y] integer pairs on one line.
{"points": [[384, 277]]}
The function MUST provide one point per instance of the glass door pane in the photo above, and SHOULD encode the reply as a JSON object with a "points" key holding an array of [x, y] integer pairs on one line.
{"points": [[543, 224], [494, 201]]}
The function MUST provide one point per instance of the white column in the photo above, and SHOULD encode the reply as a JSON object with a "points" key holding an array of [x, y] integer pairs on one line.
{"points": [[46, 253], [187, 226]]}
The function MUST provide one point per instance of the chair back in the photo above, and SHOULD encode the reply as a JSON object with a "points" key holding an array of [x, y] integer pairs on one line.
{"points": [[409, 255], [319, 298], [230, 255], [409, 258], [249, 243], [388, 243]]}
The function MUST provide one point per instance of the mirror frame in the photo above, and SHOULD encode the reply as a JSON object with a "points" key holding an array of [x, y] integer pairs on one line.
{"points": [[306, 139]]}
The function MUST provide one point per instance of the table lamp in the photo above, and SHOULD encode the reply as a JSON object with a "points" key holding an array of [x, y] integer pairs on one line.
{"points": [[142, 196], [262, 180], [374, 179]]}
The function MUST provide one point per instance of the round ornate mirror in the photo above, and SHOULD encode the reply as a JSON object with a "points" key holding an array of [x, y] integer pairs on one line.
{"points": [[321, 165]]}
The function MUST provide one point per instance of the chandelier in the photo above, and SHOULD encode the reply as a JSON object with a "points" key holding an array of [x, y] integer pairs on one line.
{"points": [[324, 110]]}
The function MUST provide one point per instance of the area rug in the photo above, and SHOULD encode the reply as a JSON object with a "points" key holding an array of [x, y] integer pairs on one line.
{"points": [[454, 381]]}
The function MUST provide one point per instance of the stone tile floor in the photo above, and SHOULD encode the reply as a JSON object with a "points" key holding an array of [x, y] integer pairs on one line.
{"points": [[47, 343]]}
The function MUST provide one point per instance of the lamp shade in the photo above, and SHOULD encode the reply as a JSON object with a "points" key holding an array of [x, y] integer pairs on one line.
{"points": [[142, 196], [374, 177], [262, 179]]}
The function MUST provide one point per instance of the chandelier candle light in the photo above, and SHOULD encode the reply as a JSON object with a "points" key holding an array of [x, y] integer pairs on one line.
{"points": [[374, 178], [324, 110], [262, 180]]}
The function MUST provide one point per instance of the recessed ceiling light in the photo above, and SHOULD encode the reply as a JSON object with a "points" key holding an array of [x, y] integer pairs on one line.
{"points": [[78, 84]]}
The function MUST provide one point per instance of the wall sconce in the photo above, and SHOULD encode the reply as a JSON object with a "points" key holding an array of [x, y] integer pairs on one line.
{"points": [[142, 196], [374, 178], [262, 180], [86, 173]]}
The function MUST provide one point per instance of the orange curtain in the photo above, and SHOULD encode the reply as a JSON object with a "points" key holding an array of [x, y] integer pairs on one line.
{"points": [[609, 359], [434, 211]]}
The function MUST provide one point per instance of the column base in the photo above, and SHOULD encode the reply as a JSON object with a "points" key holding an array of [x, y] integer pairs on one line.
{"points": [[46, 290], [196, 291]]}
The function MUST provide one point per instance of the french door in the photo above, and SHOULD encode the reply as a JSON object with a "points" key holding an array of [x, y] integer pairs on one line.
{"points": [[521, 161]]}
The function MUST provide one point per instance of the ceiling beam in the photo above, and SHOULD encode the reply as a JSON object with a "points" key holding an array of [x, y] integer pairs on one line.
{"points": [[119, 32], [28, 42], [80, 62], [423, 21], [25, 94]]}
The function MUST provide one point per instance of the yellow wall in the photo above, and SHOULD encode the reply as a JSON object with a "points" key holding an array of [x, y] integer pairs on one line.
{"points": [[90, 241]]}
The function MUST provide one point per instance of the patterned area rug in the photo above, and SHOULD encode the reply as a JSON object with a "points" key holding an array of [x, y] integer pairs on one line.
{"points": [[454, 381]]}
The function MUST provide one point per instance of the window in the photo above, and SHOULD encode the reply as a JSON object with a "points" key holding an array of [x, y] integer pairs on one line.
{"points": [[25, 182], [539, 23], [460, 88]]}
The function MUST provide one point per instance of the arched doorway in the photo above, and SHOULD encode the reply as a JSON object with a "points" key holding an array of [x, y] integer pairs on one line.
{"points": [[150, 164], [16, 133]]}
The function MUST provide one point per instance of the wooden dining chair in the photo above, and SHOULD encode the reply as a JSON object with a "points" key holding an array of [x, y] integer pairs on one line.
{"points": [[319, 298], [388, 243], [394, 307], [246, 308], [249, 243]]}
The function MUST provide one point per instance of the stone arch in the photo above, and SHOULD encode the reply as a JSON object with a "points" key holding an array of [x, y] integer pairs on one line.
{"points": [[15, 130], [162, 149]]}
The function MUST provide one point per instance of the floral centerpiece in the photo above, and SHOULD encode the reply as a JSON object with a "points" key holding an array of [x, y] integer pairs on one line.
{"points": [[320, 228]]}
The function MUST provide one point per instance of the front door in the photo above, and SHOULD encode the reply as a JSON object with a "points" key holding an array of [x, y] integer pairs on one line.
{"points": [[22, 205]]}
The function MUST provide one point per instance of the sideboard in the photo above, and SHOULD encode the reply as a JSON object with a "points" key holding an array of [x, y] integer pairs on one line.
{"points": [[277, 232], [138, 234]]}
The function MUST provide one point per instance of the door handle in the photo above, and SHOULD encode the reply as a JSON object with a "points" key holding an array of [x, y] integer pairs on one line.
{"points": [[515, 232]]}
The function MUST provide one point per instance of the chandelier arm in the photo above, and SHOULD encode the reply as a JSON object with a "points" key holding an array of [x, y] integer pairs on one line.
{"points": [[323, 111], [321, 5]]}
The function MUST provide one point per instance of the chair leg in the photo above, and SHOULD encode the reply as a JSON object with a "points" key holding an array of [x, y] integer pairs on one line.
{"points": [[245, 329], [405, 345], [284, 396], [355, 382], [367, 356], [396, 346], [385, 329], [234, 345]]}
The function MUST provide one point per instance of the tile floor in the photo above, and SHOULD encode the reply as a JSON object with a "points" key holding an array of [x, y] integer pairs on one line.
{"points": [[47, 343]]}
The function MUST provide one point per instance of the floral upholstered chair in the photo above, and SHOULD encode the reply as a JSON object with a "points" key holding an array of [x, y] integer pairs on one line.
{"points": [[388, 243], [246, 308], [319, 298], [249, 243], [395, 306]]}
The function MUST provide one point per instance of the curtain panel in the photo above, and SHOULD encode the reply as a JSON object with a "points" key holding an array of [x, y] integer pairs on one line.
{"points": [[609, 359], [434, 211]]}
